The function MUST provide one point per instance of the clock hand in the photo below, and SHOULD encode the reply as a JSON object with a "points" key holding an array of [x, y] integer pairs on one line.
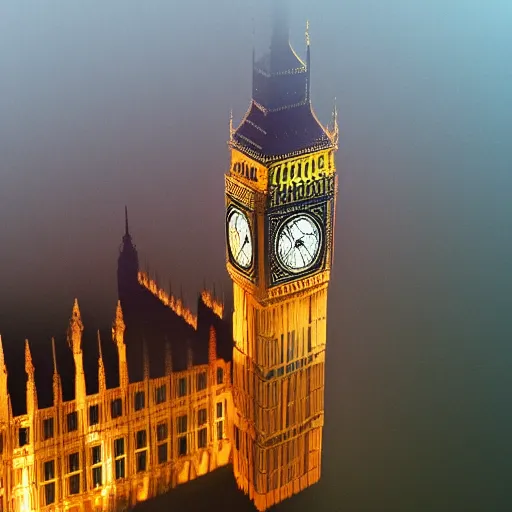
{"points": [[301, 255], [246, 241], [289, 250], [302, 244]]}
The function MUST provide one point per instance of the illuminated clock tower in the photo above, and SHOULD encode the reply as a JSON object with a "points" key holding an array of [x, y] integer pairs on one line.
{"points": [[280, 206]]}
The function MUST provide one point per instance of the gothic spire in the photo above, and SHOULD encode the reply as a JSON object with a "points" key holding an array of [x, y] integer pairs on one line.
{"points": [[126, 230], [118, 328], [75, 329], [31, 392], [280, 25], [2, 359], [102, 385], [4, 392], [29, 365], [57, 385]]}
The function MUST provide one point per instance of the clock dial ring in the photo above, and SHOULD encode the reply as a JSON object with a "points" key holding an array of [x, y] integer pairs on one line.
{"points": [[240, 240], [298, 243]]}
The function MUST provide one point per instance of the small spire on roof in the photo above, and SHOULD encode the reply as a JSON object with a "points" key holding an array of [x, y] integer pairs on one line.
{"points": [[54, 354], [126, 230]]}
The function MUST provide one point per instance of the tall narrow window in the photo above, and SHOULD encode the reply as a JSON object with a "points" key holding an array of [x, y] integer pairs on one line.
{"points": [[23, 436], [220, 375], [202, 435], [47, 428], [182, 428], [73, 473], [116, 408], [201, 381], [182, 387], [182, 445], [139, 400], [220, 430], [141, 451], [96, 467], [160, 394], [201, 417], [49, 482], [161, 437], [72, 421], [237, 438], [182, 424], [119, 457], [219, 420], [94, 415]]}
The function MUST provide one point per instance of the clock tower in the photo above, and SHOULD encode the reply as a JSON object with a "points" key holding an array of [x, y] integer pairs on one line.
{"points": [[280, 208]]}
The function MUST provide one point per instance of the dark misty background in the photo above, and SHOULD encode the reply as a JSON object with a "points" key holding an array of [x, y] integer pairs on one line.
{"points": [[104, 104]]}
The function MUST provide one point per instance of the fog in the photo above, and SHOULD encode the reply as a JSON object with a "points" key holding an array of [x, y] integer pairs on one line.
{"points": [[104, 104]]}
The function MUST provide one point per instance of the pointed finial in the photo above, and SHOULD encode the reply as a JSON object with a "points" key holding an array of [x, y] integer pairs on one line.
{"points": [[2, 359], [57, 388], [231, 131], [29, 366], [126, 230], [102, 386], [54, 354], [335, 128], [75, 329], [100, 353], [307, 33], [118, 326]]}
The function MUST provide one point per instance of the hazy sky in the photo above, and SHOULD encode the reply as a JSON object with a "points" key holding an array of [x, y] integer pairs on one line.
{"points": [[107, 103]]}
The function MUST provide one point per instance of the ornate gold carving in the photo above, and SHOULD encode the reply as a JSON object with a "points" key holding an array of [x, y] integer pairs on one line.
{"points": [[75, 330], [240, 192]]}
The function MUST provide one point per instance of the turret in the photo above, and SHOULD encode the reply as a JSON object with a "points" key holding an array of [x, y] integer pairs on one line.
{"points": [[118, 328], [75, 331]]}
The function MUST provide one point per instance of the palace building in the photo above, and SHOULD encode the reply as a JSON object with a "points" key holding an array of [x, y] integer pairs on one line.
{"points": [[119, 430], [110, 419]]}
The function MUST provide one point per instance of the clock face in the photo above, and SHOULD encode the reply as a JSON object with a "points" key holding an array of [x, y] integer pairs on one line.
{"points": [[239, 238], [298, 243]]}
